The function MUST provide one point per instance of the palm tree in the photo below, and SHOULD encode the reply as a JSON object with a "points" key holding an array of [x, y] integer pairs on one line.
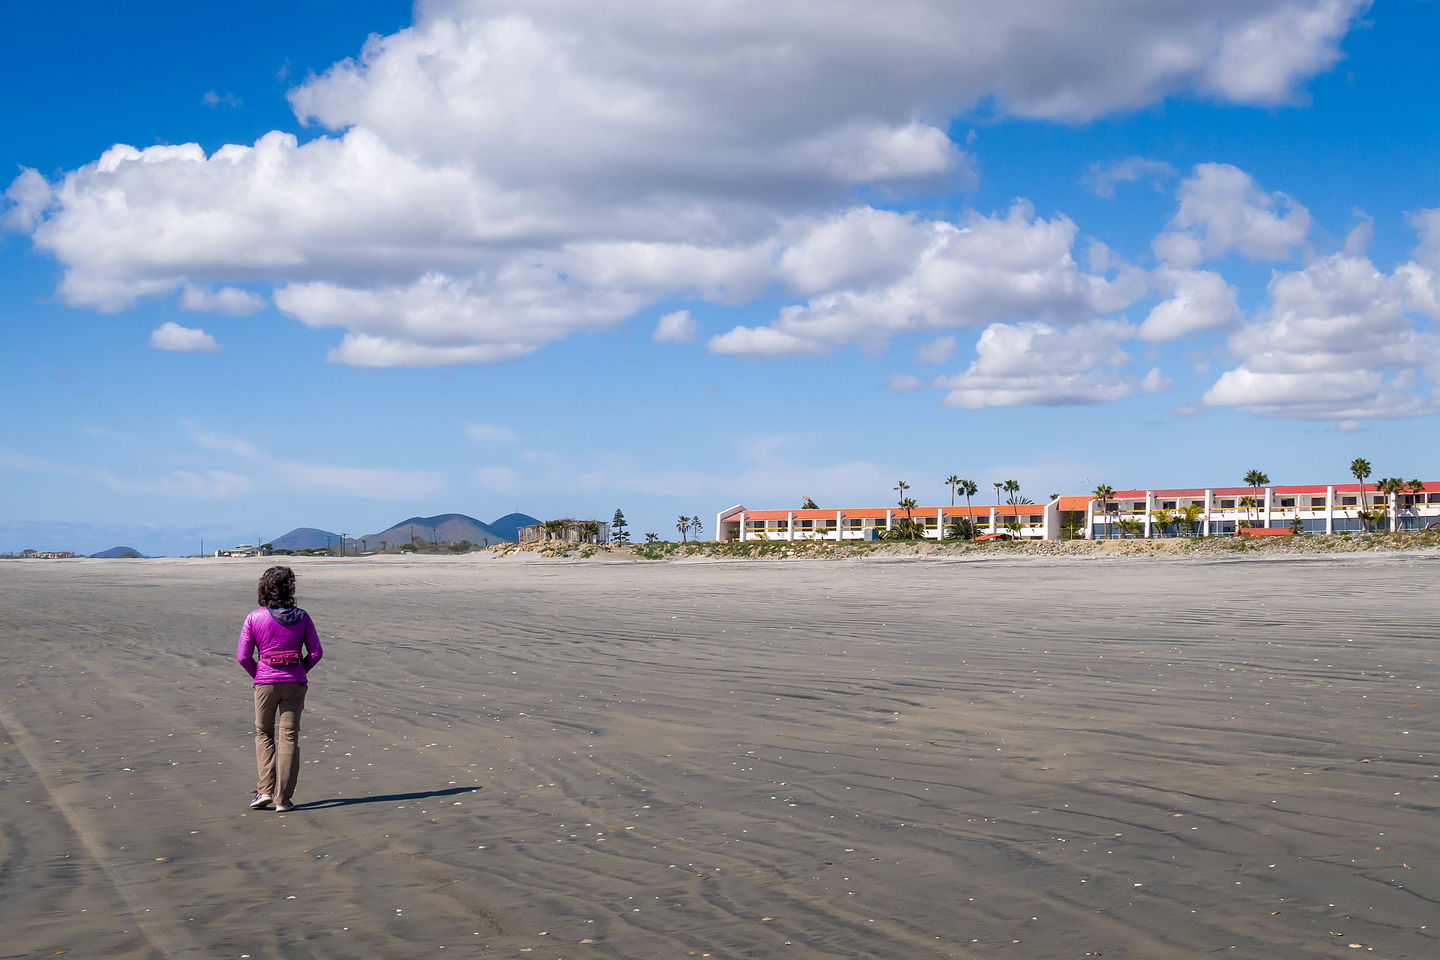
{"points": [[1417, 487], [1257, 479], [962, 528], [1191, 516], [1391, 487], [952, 482], [591, 530], [1360, 469], [1012, 491], [906, 503], [1247, 503], [969, 488], [1161, 519], [683, 525], [1130, 527], [807, 504], [1103, 493]]}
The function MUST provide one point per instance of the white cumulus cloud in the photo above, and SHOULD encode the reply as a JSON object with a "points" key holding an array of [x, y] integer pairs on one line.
{"points": [[1038, 364], [987, 269], [602, 145], [1199, 300], [1338, 340], [227, 300], [171, 336], [677, 327], [1223, 210]]}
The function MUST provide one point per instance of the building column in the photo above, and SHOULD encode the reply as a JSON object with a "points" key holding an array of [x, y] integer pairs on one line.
{"points": [[1149, 509], [1050, 521], [994, 512], [839, 525], [1090, 520], [1329, 509], [1394, 512], [1209, 505], [1269, 502], [889, 519], [790, 525], [742, 526], [940, 524]]}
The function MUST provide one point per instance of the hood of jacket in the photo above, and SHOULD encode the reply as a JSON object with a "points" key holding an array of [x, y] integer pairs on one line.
{"points": [[289, 616]]}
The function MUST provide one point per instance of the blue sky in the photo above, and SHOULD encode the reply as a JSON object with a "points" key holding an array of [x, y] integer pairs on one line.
{"points": [[563, 257]]}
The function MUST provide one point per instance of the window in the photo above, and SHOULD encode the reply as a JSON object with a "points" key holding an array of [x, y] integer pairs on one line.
{"points": [[1347, 501], [1168, 505], [1227, 504], [1432, 498], [1287, 502], [806, 524]]}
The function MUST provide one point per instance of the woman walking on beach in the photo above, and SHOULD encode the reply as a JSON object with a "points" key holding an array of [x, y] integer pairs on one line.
{"points": [[278, 645]]}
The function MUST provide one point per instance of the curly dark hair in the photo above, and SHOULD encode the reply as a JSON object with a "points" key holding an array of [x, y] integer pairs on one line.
{"points": [[277, 587]]}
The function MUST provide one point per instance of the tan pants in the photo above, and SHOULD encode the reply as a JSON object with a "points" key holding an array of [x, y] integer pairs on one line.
{"points": [[277, 737]]}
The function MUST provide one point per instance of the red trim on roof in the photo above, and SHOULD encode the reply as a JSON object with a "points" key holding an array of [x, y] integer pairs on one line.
{"points": [[1317, 489], [878, 513]]}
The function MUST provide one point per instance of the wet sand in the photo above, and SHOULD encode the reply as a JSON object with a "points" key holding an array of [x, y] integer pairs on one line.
{"points": [[1043, 759]]}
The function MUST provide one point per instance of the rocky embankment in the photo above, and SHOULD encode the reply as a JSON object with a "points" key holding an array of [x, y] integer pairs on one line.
{"points": [[1229, 546]]}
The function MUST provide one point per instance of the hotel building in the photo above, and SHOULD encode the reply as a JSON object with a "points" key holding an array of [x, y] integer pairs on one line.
{"points": [[1319, 508]]}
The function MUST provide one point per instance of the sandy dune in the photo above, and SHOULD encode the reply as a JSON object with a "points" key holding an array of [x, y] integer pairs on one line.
{"points": [[1041, 759]]}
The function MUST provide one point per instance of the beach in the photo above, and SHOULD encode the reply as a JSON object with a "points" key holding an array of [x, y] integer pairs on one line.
{"points": [[519, 757]]}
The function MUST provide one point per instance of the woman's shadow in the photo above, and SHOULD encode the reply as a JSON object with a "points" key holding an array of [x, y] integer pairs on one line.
{"points": [[388, 798]]}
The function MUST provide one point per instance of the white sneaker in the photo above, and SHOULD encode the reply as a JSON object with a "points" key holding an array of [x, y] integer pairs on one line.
{"points": [[261, 799], [283, 807]]}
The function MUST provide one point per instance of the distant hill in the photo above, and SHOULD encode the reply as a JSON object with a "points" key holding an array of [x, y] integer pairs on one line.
{"points": [[114, 553], [305, 538], [509, 525], [442, 528]]}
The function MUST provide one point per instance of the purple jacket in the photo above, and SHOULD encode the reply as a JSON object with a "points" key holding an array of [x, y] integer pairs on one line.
{"points": [[268, 631]]}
